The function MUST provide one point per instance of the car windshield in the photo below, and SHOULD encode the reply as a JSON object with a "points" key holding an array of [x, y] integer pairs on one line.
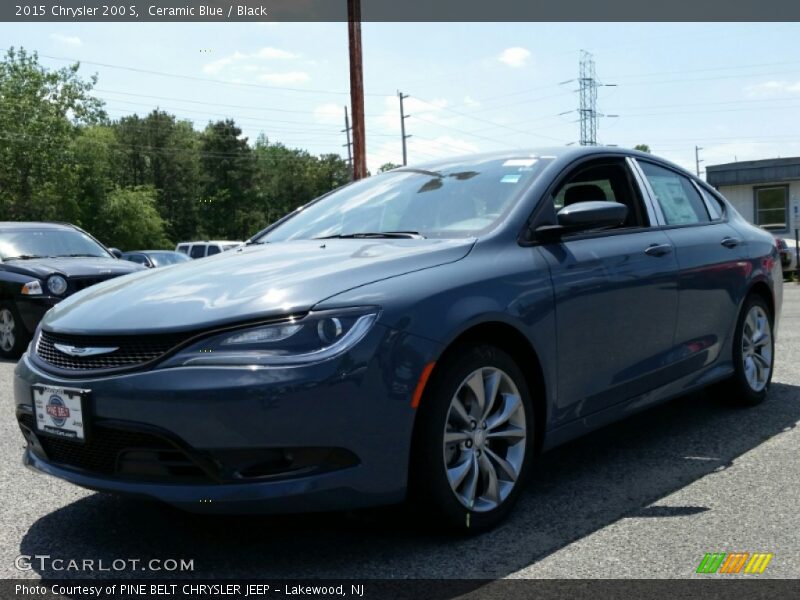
{"points": [[162, 259], [35, 243], [453, 200]]}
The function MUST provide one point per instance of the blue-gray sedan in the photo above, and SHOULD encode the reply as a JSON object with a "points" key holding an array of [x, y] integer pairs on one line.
{"points": [[423, 333]]}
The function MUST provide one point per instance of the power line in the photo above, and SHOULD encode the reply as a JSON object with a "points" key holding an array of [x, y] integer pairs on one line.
{"points": [[205, 79]]}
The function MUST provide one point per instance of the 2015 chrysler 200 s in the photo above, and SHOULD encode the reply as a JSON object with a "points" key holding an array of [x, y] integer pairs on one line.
{"points": [[424, 332]]}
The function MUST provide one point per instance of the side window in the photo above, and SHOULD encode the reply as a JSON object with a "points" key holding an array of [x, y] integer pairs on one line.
{"points": [[198, 251], [608, 180], [138, 258], [213, 250], [183, 248], [679, 200], [713, 205]]}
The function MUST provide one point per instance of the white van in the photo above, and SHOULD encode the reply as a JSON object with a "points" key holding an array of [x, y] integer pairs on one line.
{"points": [[206, 248]]}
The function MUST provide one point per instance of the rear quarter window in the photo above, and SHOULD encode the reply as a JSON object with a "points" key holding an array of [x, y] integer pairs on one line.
{"points": [[198, 251]]}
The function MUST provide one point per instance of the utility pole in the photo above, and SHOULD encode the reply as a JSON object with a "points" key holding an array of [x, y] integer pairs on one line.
{"points": [[697, 160], [357, 89], [403, 117], [349, 144]]}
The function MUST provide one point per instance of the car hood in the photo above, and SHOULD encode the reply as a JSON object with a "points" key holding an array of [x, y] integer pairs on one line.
{"points": [[255, 281], [71, 267]]}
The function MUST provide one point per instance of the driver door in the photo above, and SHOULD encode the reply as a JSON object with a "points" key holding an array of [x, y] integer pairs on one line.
{"points": [[615, 293]]}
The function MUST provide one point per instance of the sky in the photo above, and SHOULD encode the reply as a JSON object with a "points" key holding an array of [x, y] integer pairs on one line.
{"points": [[731, 88]]}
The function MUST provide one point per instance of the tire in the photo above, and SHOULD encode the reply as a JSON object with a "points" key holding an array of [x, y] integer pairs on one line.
{"points": [[452, 482], [753, 362], [14, 337]]}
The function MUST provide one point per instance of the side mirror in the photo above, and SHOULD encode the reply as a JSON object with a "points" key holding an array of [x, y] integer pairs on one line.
{"points": [[583, 216], [116, 252]]}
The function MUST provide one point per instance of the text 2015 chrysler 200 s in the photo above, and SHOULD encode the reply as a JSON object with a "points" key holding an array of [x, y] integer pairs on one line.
{"points": [[424, 332]]}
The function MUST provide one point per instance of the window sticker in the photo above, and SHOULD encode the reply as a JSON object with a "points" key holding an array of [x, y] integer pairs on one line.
{"points": [[511, 178], [520, 162]]}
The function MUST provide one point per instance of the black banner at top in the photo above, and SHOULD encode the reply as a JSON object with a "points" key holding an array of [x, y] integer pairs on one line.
{"points": [[399, 10]]}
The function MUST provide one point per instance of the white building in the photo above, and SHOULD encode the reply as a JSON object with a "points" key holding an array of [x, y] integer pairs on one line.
{"points": [[765, 192]]}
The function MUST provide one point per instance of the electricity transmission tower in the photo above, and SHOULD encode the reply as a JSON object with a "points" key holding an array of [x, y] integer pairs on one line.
{"points": [[588, 100], [587, 95]]}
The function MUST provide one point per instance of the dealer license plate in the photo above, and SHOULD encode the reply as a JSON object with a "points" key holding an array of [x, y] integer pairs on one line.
{"points": [[60, 411]]}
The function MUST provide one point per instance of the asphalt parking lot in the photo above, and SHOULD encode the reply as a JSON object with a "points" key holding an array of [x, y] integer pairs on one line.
{"points": [[645, 498]]}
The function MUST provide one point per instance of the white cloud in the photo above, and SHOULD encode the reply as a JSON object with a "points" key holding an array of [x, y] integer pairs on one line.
{"points": [[329, 113], [514, 57], [69, 40], [215, 67], [771, 88], [284, 78]]}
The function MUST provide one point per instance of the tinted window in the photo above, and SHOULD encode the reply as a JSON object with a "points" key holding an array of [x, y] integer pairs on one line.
{"points": [[184, 248], [678, 198], [162, 259], [47, 242], [137, 258], [450, 200], [771, 207], [604, 180], [213, 250], [198, 251]]}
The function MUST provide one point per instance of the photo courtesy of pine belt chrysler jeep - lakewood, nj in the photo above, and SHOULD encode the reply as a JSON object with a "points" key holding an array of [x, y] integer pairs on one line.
{"points": [[421, 335]]}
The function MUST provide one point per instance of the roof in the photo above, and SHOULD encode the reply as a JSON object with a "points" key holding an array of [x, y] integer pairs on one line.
{"points": [[34, 225], [770, 170]]}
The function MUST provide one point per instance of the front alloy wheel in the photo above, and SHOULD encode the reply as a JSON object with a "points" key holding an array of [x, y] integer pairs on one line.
{"points": [[13, 336], [473, 439], [484, 439]]}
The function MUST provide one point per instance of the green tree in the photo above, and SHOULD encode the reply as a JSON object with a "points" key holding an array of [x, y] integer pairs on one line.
{"points": [[161, 151], [387, 167], [129, 220], [40, 113], [642, 148], [228, 167]]}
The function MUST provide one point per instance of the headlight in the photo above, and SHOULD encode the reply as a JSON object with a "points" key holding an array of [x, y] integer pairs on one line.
{"points": [[314, 338], [57, 284], [32, 288]]}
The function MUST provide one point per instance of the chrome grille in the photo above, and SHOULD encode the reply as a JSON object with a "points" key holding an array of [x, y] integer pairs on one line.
{"points": [[131, 350]]}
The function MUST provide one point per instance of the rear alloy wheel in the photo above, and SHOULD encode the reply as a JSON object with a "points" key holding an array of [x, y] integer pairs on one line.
{"points": [[13, 337], [753, 354], [473, 440]]}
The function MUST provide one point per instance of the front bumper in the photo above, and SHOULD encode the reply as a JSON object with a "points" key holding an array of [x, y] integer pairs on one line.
{"points": [[32, 308], [234, 426]]}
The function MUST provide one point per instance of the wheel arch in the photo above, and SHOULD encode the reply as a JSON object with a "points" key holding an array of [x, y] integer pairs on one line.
{"points": [[511, 340]]}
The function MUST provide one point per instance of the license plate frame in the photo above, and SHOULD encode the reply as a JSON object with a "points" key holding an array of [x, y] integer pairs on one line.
{"points": [[54, 412]]}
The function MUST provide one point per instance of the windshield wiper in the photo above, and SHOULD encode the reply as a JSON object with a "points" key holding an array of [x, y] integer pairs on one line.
{"points": [[79, 256], [25, 257], [407, 235]]}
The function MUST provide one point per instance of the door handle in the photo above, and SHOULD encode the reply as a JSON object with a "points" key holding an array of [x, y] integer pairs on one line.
{"points": [[658, 249], [730, 242]]}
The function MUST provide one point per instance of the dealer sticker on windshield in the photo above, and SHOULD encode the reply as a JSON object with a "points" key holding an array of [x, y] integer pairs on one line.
{"points": [[59, 411]]}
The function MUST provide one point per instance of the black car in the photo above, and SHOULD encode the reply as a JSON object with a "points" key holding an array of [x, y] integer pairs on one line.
{"points": [[155, 258], [40, 264]]}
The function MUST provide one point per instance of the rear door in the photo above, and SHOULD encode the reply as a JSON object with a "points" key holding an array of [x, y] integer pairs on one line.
{"points": [[710, 257], [615, 294]]}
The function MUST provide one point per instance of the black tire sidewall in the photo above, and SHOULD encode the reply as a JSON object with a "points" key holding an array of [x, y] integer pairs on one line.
{"points": [[21, 336], [429, 484], [740, 391]]}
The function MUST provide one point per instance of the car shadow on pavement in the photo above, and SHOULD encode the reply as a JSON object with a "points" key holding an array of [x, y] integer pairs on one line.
{"points": [[617, 472]]}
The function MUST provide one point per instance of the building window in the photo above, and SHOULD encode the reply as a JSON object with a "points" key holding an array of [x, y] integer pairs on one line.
{"points": [[772, 207]]}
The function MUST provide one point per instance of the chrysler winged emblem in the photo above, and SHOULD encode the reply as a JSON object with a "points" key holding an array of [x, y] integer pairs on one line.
{"points": [[80, 351]]}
